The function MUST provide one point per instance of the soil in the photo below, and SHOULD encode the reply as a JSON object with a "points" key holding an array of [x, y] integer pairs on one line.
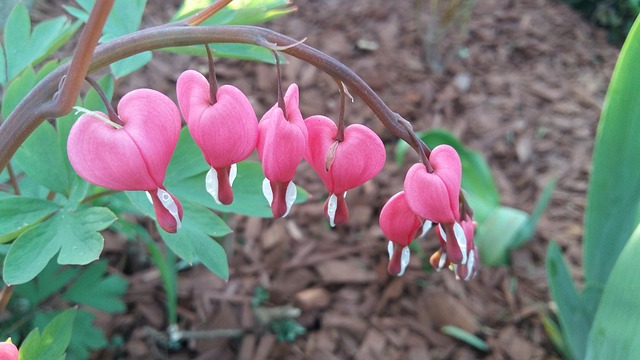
{"points": [[527, 94]]}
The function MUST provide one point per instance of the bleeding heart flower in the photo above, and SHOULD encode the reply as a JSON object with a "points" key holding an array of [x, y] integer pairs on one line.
{"points": [[462, 253], [282, 141], [342, 165], [401, 225], [226, 131], [8, 351], [436, 196], [134, 156]]}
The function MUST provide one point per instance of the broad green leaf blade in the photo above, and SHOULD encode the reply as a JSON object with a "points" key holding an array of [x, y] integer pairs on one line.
{"points": [[20, 213], [73, 234], [187, 159], [574, 317], [16, 91], [16, 40], [95, 288], [614, 332], [85, 337], [128, 65], [498, 234], [613, 199], [50, 281], [52, 342], [42, 159]]}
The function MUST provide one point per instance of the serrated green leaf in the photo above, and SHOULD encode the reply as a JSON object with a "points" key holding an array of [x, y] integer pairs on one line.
{"points": [[49, 282], [95, 288], [574, 317], [24, 48], [614, 332], [85, 338], [73, 234], [613, 198], [52, 342], [498, 234], [17, 90], [42, 159], [19, 213]]}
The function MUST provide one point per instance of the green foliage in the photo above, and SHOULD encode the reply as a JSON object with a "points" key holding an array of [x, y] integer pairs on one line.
{"points": [[601, 322], [287, 330], [466, 337], [24, 48], [52, 343], [616, 16], [499, 228]]}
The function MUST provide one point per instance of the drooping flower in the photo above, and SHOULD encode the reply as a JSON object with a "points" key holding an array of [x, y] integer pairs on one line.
{"points": [[464, 260], [133, 156], [8, 351], [436, 196], [226, 130], [342, 165], [401, 226], [282, 141]]}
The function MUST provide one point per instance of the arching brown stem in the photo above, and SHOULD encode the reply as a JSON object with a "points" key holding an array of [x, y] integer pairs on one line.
{"points": [[39, 104]]}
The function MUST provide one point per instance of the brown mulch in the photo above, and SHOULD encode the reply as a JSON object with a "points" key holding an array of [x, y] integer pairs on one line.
{"points": [[527, 96]]}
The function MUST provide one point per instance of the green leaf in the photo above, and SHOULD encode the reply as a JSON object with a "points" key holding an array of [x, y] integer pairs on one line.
{"points": [[23, 48], [130, 64], [498, 234], [73, 234], [17, 90], [42, 159], [85, 337], [20, 213], [239, 12], [527, 230], [235, 51], [53, 341], [187, 159], [613, 199], [50, 281], [614, 332], [466, 337], [575, 318], [95, 288]]}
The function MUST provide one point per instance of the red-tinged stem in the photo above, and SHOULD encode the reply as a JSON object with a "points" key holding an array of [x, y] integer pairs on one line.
{"points": [[343, 100], [113, 115], [36, 106], [281, 103], [13, 179], [415, 143], [213, 81]]}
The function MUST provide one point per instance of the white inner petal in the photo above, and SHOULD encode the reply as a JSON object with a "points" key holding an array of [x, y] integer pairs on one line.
{"points": [[170, 205], [332, 206], [442, 233], [471, 265], [149, 197], [425, 227], [462, 241], [266, 190], [344, 195], [404, 259], [443, 260], [233, 172], [211, 183], [390, 249], [290, 196]]}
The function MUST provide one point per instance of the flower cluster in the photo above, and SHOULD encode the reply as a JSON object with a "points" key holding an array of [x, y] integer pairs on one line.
{"points": [[432, 197], [130, 149]]}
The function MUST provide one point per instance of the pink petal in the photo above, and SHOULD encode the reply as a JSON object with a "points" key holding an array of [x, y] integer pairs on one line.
{"points": [[226, 132], [106, 156], [428, 196], [398, 222], [446, 164], [8, 351], [322, 132], [358, 158], [153, 122], [192, 90]]}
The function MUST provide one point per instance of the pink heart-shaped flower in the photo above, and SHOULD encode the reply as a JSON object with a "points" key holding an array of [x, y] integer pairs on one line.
{"points": [[436, 196], [134, 157], [226, 132]]}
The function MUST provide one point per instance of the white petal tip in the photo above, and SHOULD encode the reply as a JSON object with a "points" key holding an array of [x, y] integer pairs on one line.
{"points": [[211, 184]]}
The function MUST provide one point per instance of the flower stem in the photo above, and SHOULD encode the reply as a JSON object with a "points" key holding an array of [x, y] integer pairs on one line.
{"points": [[281, 103], [37, 105], [343, 100], [113, 116], [13, 179], [213, 81]]}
